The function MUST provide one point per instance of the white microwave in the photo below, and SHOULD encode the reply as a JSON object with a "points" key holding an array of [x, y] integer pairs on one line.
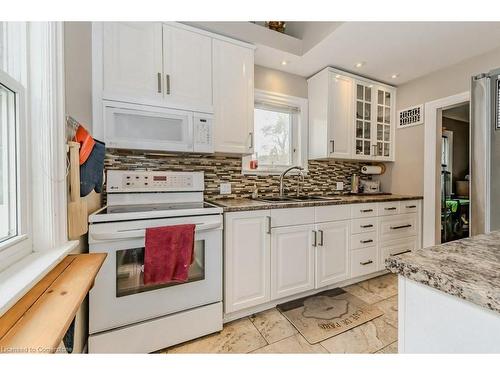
{"points": [[140, 127]]}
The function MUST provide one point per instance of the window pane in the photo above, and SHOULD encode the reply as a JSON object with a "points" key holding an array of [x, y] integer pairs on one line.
{"points": [[273, 132], [8, 212]]}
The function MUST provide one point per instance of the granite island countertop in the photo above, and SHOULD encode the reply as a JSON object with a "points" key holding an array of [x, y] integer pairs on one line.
{"points": [[467, 268], [247, 204]]}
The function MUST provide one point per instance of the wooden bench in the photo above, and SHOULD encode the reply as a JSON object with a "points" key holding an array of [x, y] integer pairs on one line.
{"points": [[38, 322]]}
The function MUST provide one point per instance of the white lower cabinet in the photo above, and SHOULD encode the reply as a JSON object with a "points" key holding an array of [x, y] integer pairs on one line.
{"points": [[274, 254], [247, 259], [396, 247], [332, 261], [292, 260]]}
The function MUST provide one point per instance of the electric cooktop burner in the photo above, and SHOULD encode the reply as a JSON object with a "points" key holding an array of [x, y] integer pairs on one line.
{"points": [[121, 209]]}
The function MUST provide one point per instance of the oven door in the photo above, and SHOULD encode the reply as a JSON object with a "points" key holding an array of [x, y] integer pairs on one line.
{"points": [[120, 297]]}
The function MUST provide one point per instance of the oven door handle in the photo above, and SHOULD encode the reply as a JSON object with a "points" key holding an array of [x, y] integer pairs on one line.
{"points": [[141, 233]]}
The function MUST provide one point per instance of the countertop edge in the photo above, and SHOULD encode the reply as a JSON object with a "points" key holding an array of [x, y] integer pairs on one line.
{"points": [[446, 285], [257, 205]]}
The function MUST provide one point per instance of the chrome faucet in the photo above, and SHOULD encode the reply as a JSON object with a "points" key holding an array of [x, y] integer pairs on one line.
{"points": [[301, 178]]}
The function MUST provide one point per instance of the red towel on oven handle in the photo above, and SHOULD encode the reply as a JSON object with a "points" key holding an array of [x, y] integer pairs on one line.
{"points": [[169, 251]]}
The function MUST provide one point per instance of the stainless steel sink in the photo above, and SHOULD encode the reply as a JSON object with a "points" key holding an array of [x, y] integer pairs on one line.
{"points": [[291, 199]]}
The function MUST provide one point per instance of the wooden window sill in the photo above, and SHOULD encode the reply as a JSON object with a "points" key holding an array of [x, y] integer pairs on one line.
{"points": [[38, 321]]}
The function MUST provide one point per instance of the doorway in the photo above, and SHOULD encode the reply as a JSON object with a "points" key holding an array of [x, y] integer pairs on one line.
{"points": [[454, 204]]}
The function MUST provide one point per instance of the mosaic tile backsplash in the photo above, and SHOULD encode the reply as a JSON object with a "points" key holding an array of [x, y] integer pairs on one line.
{"points": [[320, 179]]}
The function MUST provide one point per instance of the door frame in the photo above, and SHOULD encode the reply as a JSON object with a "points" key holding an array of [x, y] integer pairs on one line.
{"points": [[432, 134]]}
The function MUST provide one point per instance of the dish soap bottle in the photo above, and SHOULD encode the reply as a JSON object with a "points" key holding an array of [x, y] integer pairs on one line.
{"points": [[255, 192]]}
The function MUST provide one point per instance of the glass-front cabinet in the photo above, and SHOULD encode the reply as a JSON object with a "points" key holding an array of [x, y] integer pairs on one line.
{"points": [[374, 122], [350, 117]]}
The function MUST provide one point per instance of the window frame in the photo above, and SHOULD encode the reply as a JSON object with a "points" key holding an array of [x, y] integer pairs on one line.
{"points": [[19, 246], [299, 140]]}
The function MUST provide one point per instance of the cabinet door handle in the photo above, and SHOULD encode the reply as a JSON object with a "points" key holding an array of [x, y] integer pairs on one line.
{"points": [[390, 208], [412, 206], [251, 140], [167, 77], [401, 252], [366, 263], [366, 226], [332, 142], [315, 239], [320, 237], [367, 210], [159, 83], [401, 226], [366, 241], [268, 224]]}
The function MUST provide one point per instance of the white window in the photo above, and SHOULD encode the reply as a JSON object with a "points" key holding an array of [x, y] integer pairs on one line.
{"points": [[280, 134], [15, 241]]}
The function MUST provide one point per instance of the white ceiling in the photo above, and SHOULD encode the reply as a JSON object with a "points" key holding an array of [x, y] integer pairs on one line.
{"points": [[409, 49]]}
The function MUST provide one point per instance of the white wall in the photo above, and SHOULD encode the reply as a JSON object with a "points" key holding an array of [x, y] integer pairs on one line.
{"points": [[281, 82], [406, 175]]}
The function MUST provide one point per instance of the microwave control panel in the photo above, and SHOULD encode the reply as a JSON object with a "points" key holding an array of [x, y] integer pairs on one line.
{"points": [[153, 181]]}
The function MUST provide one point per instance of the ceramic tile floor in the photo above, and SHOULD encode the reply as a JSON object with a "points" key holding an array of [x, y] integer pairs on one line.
{"points": [[270, 332]]}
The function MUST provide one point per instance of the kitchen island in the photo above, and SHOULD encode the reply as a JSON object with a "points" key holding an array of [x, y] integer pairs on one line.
{"points": [[449, 297]]}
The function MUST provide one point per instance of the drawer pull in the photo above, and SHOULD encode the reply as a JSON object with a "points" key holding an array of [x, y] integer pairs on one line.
{"points": [[367, 210], [366, 241], [390, 208], [366, 226], [412, 206], [366, 263], [401, 252], [401, 226]]}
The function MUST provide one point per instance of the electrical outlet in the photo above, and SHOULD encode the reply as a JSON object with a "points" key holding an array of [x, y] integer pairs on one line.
{"points": [[339, 186], [225, 188]]}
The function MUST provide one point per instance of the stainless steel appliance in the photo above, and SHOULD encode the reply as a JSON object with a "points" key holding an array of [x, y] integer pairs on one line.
{"points": [[125, 315], [485, 153]]}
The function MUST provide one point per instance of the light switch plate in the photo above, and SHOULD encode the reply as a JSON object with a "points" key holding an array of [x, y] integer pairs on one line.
{"points": [[225, 188], [339, 186]]}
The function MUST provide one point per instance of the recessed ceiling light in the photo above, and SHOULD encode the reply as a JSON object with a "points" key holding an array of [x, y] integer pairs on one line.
{"points": [[395, 75], [359, 64], [284, 62]]}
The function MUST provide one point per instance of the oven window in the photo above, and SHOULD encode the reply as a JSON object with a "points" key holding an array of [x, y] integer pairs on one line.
{"points": [[130, 270]]}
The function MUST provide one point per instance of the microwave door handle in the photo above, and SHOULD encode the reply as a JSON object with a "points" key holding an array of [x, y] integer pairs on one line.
{"points": [[140, 233]]}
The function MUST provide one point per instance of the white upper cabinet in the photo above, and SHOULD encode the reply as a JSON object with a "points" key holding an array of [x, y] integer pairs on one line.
{"points": [[233, 91], [151, 63], [187, 67], [132, 60], [350, 117]]}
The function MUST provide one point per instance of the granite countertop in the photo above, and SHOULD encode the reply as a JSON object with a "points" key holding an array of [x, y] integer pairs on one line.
{"points": [[247, 204], [467, 268]]}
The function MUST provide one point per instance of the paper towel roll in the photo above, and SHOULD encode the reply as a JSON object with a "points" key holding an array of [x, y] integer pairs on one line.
{"points": [[371, 169]]}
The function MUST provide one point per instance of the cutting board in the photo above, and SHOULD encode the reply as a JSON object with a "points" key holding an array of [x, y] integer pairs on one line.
{"points": [[77, 207]]}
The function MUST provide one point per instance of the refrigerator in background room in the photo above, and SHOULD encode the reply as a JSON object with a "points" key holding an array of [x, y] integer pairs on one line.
{"points": [[485, 153]]}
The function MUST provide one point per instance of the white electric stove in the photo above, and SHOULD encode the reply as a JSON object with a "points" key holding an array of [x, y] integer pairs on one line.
{"points": [[125, 315]]}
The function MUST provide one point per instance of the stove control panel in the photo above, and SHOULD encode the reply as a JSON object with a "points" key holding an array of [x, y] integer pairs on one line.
{"points": [[153, 181]]}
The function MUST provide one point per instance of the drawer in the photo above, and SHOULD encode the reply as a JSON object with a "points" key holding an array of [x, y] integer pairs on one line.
{"points": [[407, 207], [363, 225], [292, 216], [333, 213], [363, 261], [397, 226], [359, 241], [363, 210], [388, 208], [395, 247]]}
